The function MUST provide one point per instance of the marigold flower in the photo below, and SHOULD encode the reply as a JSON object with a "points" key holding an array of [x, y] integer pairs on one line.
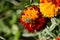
{"points": [[57, 38], [32, 19], [49, 8]]}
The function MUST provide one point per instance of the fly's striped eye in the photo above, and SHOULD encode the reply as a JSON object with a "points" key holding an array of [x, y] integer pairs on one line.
{"points": [[27, 20]]}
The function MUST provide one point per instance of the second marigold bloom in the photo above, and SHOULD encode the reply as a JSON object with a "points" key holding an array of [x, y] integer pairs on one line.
{"points": [[49, 8], [32, 19]]}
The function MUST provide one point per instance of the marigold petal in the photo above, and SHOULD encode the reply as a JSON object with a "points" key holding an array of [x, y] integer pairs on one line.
{"points": [[49, 8]]}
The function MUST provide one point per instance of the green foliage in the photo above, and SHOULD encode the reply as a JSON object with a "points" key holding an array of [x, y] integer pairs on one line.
{"points": [[50, 31], [12, 29], [10, 12]]}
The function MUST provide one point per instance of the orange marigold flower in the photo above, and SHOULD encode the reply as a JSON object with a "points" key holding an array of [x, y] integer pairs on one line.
{"points": [[49, 8], [32, 19], [30, 13]]}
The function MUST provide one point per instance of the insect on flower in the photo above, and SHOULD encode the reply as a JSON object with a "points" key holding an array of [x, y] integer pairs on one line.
{"points": [[32, 19]]}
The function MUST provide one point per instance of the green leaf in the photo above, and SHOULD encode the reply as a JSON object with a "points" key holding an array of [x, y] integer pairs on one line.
{"points": [[4, 28], [18, 13], [14, 29], [17, 35], [13, 20], [36, 1]]}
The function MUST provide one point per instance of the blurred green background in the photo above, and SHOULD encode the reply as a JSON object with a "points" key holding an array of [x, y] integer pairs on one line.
{"points": [[10, 12], [12, 29]]}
